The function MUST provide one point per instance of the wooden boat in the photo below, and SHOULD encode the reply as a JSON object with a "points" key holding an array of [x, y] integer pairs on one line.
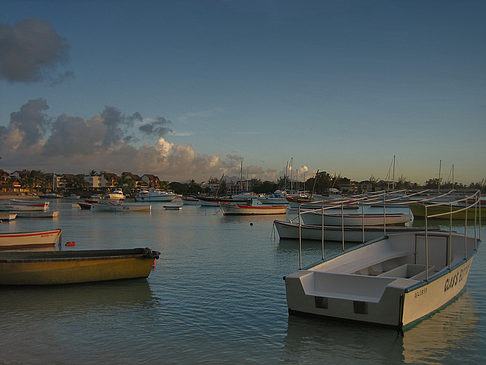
{"points": [[395, 280], [253, 209], [8, 216], [9, 240], [289, 230], [71, 267], [442, 210], [24, 205], [338, 219]]}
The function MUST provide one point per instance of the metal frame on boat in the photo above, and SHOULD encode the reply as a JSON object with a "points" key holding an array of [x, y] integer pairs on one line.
{"points": [[395, 280]]}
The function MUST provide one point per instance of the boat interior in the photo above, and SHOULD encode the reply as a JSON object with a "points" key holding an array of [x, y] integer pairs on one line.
{"points": [[398, 260]]}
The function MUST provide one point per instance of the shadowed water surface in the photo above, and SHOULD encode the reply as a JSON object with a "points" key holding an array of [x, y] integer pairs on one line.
{"points": [[217, 296]]}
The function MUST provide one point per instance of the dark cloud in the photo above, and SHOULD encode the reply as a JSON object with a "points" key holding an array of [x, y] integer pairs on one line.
{"points": [[29, 49], [30, 121], [158, 128], [115, 122]]}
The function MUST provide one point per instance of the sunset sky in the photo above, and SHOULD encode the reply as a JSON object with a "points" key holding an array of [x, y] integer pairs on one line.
{"points": [[188, 89]]}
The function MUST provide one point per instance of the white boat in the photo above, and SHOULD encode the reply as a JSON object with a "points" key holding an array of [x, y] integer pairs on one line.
{"points": [[37, 214], [10, 240], [395, 280], [115, 195], [252, 209], [155, 195], [8, 216], [23, 205], [338, 219], [289, 230], [173, 207], [278, 197], [116, 206], [190, 200]]}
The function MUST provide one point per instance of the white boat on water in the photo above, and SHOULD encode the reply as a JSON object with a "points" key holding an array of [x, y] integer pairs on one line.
{"points": [[395, 280], [23, 205], [367, 219], [7, 216], [14, 240], [289, 230], [190, 200], [115, 195], [278, 197], [155, 195], [116, 206]]}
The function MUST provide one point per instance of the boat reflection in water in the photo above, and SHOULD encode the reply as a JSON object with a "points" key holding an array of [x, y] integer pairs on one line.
{"points": [[445, 337]]}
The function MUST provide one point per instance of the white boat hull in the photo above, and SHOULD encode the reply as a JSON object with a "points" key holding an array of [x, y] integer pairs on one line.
{"points": [[8, 216], [287, 230], [29, 239], [390, 281], [20, 205], [337, 219]]}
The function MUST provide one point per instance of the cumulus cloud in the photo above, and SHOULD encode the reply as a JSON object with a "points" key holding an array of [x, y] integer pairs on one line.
{"points": [[71, 144], [30, 50]]}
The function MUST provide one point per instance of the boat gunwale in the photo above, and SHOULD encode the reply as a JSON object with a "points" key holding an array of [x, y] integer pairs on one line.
{"points": [[77, 255]]}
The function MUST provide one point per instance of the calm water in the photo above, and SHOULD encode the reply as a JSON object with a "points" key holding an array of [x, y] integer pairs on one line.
{"points": [[216, 297]]}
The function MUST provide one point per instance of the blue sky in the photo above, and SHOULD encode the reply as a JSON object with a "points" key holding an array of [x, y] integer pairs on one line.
{"points": [[339, 86]]}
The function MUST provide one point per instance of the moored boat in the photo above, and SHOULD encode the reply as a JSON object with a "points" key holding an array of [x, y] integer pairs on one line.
{"points": [[115, 195], [9, 240], [289, 230], [71, 267], [395, 280], [441, 209], [23, 205], [190, 200], [37, 214], [253, 209], [8, 216], [155, 195], [338, 219]]}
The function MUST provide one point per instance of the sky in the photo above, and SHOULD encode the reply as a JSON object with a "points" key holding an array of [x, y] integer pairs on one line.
{"points": [[195, 89]]}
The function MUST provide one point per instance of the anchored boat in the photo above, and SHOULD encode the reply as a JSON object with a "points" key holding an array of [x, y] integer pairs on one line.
{"points": [[15, 240], [70, 267], [395, 280]]}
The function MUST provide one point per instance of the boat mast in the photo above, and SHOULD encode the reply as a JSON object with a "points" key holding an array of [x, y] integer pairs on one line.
{"points": [[291, 162], [393, 178], [241, 176], [438, 182]]}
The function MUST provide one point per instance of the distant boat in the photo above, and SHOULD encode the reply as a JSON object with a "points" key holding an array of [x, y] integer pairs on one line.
{"points": [[253, 209], [338, 219], [8, 216], [9, 240], [71, 267], [115, 195], [50, 196], [214, 201], [190, 200], [442, 210], [173, 207], [116, 206], [155, 195], [278, 197], [21, 205], [288, 230], [38, 214]]}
